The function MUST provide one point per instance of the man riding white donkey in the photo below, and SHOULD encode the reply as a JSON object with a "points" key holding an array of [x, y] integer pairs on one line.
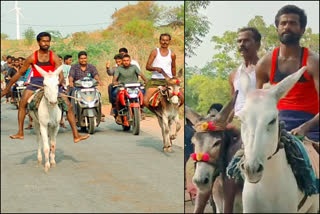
{"points": [[164, 90], [271, 184], [47, 116], [48, 61]]}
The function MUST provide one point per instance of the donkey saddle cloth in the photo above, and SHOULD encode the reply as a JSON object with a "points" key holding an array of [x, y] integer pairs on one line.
{"points": [[34, 101]]}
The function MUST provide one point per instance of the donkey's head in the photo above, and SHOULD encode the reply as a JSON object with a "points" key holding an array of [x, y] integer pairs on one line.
{"points": [[50, 84], [210, 143], [173, 87], [260, 124]]}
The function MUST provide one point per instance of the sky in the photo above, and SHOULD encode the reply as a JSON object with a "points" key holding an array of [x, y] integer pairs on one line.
{"points": [[230, 16], [65, 16]]}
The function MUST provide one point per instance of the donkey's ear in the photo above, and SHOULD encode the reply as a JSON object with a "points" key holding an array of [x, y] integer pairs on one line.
{"points": [[180, 73], [41, 71], [58, 70], [245, 83], [165, 76], [192, 116], [282, 88], [227, 112]]}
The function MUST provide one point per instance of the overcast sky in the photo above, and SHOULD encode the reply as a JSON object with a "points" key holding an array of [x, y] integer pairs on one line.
{"points": [[229, 15], [64, 16]]}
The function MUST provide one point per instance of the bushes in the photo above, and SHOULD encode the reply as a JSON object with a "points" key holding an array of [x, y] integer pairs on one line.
{"points": [[139, 28]]}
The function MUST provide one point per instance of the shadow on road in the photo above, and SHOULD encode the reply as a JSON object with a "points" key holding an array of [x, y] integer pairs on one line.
{"points": [[58, 158], [156, 144]]}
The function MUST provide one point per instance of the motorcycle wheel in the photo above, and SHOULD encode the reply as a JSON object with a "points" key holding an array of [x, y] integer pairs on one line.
{"points": [[136, 121], [91, 125]]}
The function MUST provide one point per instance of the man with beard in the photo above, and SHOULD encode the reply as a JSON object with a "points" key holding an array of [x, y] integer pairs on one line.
{"points": [[248, 45], [300, 107], [48, 61]]}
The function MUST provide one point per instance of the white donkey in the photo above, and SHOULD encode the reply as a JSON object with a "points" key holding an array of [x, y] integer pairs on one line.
{"points": [[270, 185], [47, 117]]}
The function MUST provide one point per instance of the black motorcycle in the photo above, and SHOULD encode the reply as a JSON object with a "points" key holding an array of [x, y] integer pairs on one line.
{"points": [[87, 105], [18, 89]]}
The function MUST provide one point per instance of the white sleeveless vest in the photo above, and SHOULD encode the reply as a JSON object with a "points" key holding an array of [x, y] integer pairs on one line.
{"points": [[163, 62], [236, 84]]}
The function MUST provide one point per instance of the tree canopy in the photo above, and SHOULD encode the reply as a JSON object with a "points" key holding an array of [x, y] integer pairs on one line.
{"points": [[196, 25]]}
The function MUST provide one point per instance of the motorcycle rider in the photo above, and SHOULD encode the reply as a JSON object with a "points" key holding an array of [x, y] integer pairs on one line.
{"points": [[126, 73], [80, 70], [11, 72], [118, 60]]}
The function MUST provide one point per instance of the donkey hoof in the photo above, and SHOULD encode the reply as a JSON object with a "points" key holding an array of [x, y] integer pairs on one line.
{"points": [[39, 162], [46, 167], [169, 149], [46, 170], [165, 149], [53, 164]]}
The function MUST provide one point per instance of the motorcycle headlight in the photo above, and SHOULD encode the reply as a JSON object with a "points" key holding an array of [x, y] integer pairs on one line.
{"points": [[87, 84], [133, 92], [20, 83]]}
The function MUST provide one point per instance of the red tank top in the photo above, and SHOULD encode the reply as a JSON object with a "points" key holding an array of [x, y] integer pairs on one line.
{"points": [[47, 66], [303, 96]]}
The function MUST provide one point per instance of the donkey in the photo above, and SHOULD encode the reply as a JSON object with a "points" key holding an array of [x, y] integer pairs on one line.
{"points": [[216, 142], [47, 116], [270, 185], [167, 111]]}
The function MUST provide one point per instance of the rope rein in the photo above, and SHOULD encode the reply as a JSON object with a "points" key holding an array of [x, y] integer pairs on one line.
{"points": [[59, 93]]}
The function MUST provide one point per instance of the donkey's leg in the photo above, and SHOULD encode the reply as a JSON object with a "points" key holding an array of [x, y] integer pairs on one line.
{"points": [[53, 136], [44, 134], [38, 138], [178, 127], [201, 201], [229, 189], [160, 121], [166, 137], [171, 135]]}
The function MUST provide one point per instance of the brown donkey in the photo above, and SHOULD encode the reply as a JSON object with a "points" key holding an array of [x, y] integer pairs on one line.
{"points": [[165, 104], [215, 144]]}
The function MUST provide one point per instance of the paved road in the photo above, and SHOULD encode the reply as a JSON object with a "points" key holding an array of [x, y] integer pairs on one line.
{"points": [[112, 171]]}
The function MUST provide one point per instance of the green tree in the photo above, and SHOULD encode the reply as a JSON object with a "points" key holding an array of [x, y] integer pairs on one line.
{"points": [[55, 35], [196, 26], [202, 91], [172, 17], [29, 35]]}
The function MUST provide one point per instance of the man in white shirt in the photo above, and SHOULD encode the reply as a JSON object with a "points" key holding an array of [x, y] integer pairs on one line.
{"points": [[160, 60], [248, 41], [66, 68], [4, 60]]}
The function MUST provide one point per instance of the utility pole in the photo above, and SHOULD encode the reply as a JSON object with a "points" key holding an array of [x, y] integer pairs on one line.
{"points": [[17, 10]]}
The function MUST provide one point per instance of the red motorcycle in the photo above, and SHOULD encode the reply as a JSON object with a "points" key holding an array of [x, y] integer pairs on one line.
{"points": [[131, 99]]}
